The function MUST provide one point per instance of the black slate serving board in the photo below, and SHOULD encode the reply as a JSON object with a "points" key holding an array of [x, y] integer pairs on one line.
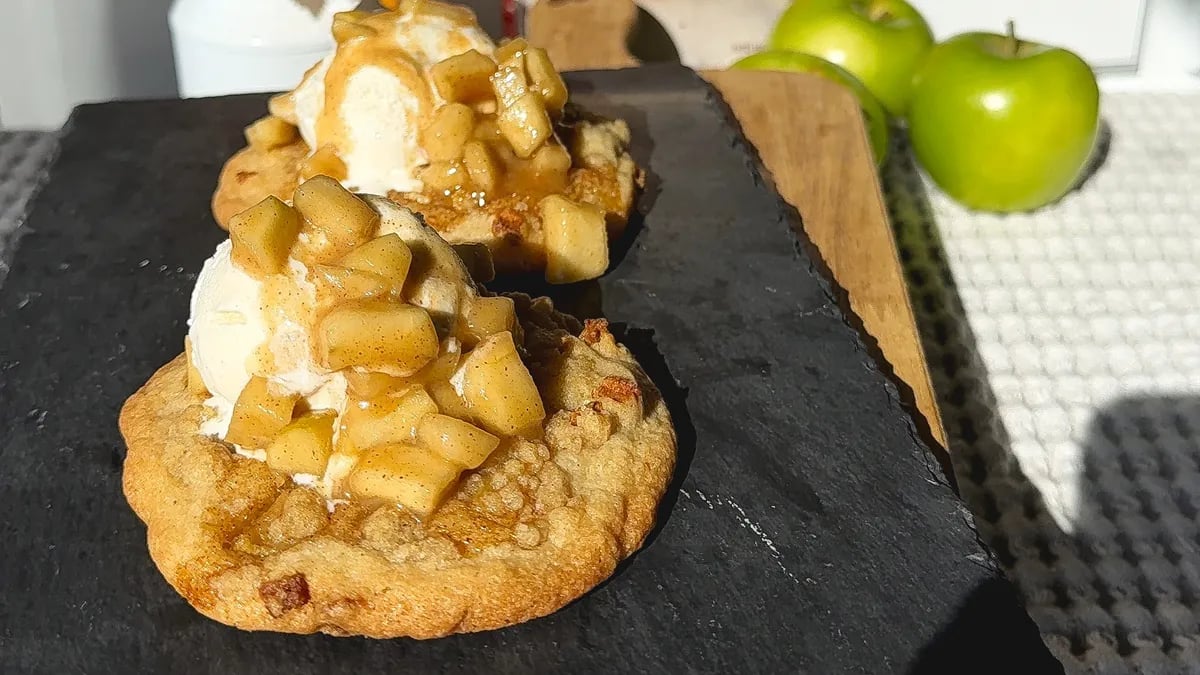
{"points": [[808, 529]]}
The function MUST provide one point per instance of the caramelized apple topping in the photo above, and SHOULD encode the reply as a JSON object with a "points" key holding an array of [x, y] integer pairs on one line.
{"points": [[497, 146], [576, 240], [304, 445], [498, 138], [323, 162], [270, 132], [426, 400], [263, 236], [259, 414], [195, 383]]}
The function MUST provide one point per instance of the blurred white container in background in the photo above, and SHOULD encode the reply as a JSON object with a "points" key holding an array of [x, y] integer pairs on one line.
{"points": [[240, 46], [1170, 45], [55, 54]]}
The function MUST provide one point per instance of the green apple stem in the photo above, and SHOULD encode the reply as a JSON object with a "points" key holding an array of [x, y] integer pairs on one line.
{"points": [[873, 11], [1014, 45]]}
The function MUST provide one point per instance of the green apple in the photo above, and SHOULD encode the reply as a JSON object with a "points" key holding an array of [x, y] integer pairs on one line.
{"points": [[881, 41], [1001, 124], [795, 62]]}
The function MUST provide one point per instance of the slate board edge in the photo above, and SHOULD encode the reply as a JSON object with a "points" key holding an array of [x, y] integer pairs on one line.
{"points": [[650, 78], [836, 294], [840, 297]]}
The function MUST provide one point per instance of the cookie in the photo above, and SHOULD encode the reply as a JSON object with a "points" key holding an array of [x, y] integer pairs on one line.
{"points": [[252, 174], [538, 525], [360, 440]]}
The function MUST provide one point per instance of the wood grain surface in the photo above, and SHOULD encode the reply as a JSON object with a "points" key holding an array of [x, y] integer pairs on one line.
{"points": [[810, 136]]}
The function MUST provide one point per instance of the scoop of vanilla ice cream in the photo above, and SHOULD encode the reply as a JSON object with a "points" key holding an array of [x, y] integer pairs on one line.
{"points": [[237, 320], [227, 328], [369, 97], [225, 315]]}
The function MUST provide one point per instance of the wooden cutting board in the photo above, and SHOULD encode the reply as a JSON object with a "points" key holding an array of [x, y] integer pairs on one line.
{"points": [[810, 136]]}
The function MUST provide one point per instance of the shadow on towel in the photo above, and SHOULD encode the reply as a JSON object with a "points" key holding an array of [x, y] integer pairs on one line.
{"points": [[1119, 587]]}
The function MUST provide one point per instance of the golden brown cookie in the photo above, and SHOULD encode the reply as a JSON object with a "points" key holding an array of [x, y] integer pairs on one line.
{"points": [[539, 524], [254, 174]]}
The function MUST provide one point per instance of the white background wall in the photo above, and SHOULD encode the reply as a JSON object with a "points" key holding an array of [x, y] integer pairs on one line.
{"points": [[56, 53], [1144, 43], [1105, 32], [1157, 41]]}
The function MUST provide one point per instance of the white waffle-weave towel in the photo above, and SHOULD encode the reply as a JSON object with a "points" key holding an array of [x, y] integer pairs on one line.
{"points": [[1065, 349]]}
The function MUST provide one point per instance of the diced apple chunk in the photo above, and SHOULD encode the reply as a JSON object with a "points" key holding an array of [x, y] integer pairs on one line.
{"points": [[270, 132], [336, 284], [406, 475], [304, 445], [331, 209], [498, 389], [464, 78], [511, 47], [323, 162], [552, 159], [377, 335], [546, 80], [450, 128], [449, 402], [482, 166], [576, 238], [388, 419], [195, 383], [367, 385], [508, 156], [489, 315], [509, 82], [263, 236], [443, 176], [388, 256], [444, 365], [259, 414], [550, 164], [486, 129], [460, 442], [525, 124]]}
